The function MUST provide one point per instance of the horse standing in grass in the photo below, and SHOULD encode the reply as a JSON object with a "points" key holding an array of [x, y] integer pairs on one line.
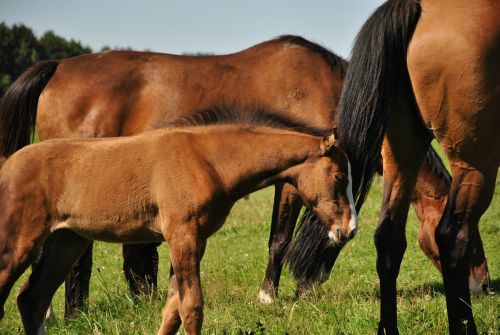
{"points": [[124, 93], [421, 70], [176, 185]]}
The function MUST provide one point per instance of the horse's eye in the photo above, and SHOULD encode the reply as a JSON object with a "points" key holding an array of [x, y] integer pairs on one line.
{"points": [[340, 178]]}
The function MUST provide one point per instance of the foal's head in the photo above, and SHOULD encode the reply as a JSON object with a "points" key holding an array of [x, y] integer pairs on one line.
{"points": [[326, 188]]}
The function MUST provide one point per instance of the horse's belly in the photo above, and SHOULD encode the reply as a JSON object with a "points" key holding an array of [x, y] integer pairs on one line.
{"points": [[117, 230]]}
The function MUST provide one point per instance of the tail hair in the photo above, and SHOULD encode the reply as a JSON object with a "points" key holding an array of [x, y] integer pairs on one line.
{"points": [[19, 104], [377, 66], [310, 256]]}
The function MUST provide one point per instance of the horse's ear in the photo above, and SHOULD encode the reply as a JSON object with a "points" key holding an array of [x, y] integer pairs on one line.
{"points": [[328, 142]]}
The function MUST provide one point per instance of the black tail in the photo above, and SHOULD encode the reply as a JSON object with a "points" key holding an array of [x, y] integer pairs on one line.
{"points": [[19, 104], [310, 257], [437, 165], [377, 65]]}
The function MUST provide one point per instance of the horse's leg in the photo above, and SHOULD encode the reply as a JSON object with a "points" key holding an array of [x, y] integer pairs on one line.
{"points": [[77, 284], [171, 315], [13, 263], [470, 195], [185, 303], [479, 277], [286, 209], [59, 254], [20, 243], [140, 265], [50, 314], [429, 201], [403, 151]]}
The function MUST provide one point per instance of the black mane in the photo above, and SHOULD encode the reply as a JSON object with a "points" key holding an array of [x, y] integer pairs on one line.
{"points": [[254, 116], [334, 61]]}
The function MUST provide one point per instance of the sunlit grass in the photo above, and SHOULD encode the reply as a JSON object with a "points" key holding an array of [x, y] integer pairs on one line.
{"points": [[233, 268]]}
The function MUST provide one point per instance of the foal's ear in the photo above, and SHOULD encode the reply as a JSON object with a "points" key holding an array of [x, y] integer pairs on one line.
{"points": [[328, 143]]}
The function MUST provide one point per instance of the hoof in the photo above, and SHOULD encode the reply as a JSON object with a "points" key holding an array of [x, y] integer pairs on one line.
{"points": [[265, 298]]}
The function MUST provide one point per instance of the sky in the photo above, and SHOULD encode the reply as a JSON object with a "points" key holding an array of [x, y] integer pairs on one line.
{"points": [[189, 26]]}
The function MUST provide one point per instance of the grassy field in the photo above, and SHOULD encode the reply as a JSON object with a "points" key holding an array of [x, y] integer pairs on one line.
{"points": [[233, 268]]}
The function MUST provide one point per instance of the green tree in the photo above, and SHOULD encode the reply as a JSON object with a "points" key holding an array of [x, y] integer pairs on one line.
{"points": [[56, 47], [20, 48]]}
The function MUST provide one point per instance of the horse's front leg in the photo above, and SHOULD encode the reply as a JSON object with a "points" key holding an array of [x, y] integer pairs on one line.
{"points": [[470, 195], [286, 209], [185, 301]]}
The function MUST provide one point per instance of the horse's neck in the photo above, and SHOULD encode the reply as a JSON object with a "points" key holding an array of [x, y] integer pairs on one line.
{"points": [[251, 161]]}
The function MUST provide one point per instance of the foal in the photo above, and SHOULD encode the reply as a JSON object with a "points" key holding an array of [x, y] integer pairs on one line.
{"points": [[176, 185]]}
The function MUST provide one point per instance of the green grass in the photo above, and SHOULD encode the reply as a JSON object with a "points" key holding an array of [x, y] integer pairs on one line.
{"points": [[233, 268]]}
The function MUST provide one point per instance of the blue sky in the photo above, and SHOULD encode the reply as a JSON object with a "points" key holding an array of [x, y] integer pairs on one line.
{"points": [[192, 26]]}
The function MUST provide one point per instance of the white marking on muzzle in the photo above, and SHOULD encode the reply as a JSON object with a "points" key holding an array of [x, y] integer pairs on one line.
{"points": [[353, 223], [332, 236]]}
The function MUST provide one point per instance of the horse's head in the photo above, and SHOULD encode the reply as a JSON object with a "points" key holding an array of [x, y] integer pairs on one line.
{"points": [[326, 189]]}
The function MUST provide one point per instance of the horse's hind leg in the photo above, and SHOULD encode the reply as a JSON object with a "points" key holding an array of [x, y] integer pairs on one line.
{"points": [[429, 201], [470, 195], [286, 209], [59, 253]]}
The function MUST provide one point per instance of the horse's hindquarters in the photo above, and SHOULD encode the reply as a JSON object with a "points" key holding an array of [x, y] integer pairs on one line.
{"points": [[455, 76]]}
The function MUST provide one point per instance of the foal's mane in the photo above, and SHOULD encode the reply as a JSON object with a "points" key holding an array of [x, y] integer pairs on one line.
{"points": [[250, 116], [334, 61]]}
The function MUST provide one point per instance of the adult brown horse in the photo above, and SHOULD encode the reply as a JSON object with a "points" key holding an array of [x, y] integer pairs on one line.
{"points": [[123, 93], [421, 70], [176, 185]]}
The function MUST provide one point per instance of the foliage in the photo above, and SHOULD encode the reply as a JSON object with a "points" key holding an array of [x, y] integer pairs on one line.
{"points": [[20, 48]]}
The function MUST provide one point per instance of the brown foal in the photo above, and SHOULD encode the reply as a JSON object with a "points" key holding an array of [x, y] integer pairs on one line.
{"points": [[176, 185]]}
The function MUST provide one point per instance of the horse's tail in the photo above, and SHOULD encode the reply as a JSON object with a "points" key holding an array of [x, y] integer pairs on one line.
{"points": [[19, 104], [377, 67]]}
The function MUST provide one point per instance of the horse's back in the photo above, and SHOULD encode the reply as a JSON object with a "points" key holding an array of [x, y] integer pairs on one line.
{"points": [[122, 92], [455, 73]]}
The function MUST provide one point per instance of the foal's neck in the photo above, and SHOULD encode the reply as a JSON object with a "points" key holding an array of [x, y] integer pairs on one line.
{"points": [[250, 160]]}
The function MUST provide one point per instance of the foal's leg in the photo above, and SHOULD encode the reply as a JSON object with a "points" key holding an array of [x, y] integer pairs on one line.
{"points": [[20, 243], [286, 209], [470, 195], [185, 298], [59, 254], [403, 151], [171, 313]]}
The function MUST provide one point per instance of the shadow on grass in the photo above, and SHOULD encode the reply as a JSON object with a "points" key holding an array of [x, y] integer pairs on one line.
{"points": [[436, 288], [428, 289]]}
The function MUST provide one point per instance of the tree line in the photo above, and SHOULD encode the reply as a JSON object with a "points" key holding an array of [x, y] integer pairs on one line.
{"points": [[20, 48]]}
